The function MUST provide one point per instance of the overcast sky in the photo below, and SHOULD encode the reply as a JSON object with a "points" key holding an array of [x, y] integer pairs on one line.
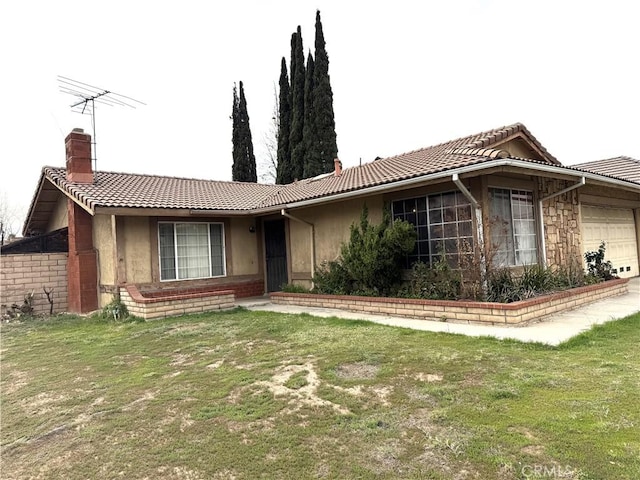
{"points": [[405, 75]]}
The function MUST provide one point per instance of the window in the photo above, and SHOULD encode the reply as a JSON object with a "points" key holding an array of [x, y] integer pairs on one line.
{"points": [[443, 224], [191, 250], [513, 229]]}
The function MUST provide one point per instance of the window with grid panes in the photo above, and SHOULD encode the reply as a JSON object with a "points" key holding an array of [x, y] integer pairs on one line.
{"points": [[191, 250], [513, 227], [443, 225]]}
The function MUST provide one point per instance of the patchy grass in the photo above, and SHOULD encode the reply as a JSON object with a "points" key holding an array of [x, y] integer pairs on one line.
{"points": [[261, 395]]}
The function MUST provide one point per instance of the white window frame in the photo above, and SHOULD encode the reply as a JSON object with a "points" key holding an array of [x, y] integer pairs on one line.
{"points": [[513, 255], [176, 257]]}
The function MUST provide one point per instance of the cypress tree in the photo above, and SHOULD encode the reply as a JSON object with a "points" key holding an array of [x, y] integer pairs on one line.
{"points": [[297, 106], [309, 132], [284, 173], [325, 146], [244, 161]]}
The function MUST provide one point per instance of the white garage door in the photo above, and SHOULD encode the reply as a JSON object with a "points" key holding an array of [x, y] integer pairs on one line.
{"points": [[617, 228]]}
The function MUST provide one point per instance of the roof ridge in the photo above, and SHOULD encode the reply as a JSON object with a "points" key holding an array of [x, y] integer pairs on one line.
{"points": [[493, 136], [483, 152], [515, 126]]}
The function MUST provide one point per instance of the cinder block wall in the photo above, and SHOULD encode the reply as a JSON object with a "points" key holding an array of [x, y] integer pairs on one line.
{"points": [[21, 274]]}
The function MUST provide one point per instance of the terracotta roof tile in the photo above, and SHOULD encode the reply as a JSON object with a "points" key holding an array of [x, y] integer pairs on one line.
{"points": [[626, 168], [149, 191]]}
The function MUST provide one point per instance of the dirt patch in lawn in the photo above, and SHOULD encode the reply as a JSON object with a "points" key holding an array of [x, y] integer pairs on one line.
{"points": [[306, 395], [16, 380], [357, 371]]}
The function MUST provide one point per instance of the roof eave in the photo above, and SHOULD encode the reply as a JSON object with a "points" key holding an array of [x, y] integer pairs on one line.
{"points": [[475, 168]]}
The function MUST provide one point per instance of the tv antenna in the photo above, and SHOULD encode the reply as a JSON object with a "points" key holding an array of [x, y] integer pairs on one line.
{"points": [[87, 96]]}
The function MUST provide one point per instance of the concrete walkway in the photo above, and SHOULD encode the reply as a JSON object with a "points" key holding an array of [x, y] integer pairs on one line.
{"points": [[552, 331]]}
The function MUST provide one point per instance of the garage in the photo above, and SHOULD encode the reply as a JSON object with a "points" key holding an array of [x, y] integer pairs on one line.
{"points": [[616, 227]]}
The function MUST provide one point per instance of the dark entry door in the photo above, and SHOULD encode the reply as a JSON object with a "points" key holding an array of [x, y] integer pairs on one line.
{"points": [[276, 254]]}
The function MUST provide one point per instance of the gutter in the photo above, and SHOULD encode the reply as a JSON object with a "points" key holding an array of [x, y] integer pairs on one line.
{"points": [[543, 245], [284, 213], [474, 168]]}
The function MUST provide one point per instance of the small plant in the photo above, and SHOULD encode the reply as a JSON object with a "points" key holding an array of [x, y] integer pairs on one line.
{"points": [[293, 288], [26, 309], [597, 267], [503, 287], [115, 310]]}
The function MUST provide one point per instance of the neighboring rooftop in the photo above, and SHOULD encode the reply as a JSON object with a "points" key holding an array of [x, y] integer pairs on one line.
{"points": [[620, 167]]}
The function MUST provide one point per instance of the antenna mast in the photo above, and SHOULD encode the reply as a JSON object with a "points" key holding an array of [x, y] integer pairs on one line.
{"points": [[86, 98]]}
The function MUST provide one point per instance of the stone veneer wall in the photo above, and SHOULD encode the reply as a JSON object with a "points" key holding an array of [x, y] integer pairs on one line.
{"points": [[175, 303], [561, 217], [461, 311], [24, 273]]}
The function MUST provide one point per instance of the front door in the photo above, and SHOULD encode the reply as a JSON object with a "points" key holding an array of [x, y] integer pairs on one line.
{"points": [[276, 254]]}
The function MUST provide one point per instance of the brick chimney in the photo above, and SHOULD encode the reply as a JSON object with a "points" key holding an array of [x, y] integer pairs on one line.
{"points": [[338, 167], [78, 150], [82, 265]]}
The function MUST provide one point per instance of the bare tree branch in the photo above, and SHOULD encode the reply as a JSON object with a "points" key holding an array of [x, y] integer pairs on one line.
{"points": [[268, 164]]}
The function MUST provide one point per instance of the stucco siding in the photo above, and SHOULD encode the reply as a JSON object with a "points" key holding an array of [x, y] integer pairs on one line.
{"points": [[137, 247], [332, 225], [244, 247], [59, 215]]}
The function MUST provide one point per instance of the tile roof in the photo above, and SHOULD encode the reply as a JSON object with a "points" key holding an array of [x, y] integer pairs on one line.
{"points": [[462, 152], [623, 167], [149, 191]]}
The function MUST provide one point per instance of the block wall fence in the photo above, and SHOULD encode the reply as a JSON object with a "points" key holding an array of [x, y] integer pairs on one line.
{"points": [[21, 274]]}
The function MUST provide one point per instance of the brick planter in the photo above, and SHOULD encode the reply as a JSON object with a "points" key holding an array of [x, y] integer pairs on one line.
{"points": [[176, 302], [516, 313]]}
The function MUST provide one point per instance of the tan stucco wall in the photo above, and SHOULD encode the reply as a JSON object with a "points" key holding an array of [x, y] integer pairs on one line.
{"points": [[59, 215], [331, 222], [243, 249], [137, 249], [103, 243]]}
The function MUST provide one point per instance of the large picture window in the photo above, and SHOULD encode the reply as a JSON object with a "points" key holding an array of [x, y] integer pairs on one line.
{"points": [[513, 228], [191, 250], [443, 224]]}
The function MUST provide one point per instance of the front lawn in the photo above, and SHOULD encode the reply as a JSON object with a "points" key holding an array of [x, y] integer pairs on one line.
{"points": [[245, 395]]}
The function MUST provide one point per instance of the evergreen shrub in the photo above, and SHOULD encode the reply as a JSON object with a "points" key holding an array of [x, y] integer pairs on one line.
{"points": [[370, 264]]}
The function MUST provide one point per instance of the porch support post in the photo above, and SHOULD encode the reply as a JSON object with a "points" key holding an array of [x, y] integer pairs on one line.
{"points": [[312, 233], [479, 226]]}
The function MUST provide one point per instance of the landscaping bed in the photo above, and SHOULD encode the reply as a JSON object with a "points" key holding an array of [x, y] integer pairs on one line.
{"points": [[515, 313]]}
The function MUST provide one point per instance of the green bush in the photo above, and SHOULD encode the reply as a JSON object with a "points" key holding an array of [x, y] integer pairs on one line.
{"points": [[332, 278], [597, 267], [437, 282], [370, 264]]}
